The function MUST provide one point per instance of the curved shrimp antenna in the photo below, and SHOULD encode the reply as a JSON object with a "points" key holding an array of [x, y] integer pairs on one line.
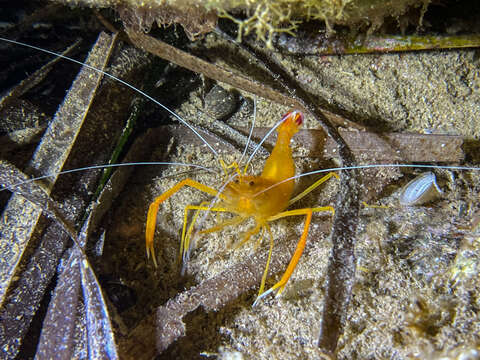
{"points": [[106, 166], [369, 166], [270, 181], [130, 86]]}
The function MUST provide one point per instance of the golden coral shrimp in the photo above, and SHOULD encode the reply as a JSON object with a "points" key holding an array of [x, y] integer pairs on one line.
{"points": [[264, 198]]}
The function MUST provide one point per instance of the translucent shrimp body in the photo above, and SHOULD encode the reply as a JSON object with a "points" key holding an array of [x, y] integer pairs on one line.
{"points": [[239, 194], [249, 196]]}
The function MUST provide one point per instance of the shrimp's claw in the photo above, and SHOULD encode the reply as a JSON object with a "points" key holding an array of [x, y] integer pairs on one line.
{"points": [[150, 230]]}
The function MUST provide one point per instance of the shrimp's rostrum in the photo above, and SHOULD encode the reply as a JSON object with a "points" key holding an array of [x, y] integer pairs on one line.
{"points": [[264, 198]]}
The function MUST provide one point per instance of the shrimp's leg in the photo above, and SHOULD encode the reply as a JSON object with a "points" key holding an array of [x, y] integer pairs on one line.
{"points": [[153, 210], [233, 165], [265, 272], [260, 239], [187, 235], [231, 222], [248, 235], [300, 246], [313, 187]]}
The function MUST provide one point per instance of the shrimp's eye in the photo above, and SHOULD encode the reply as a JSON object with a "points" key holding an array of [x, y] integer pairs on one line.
{"points": [[251, 183], [236, 181]]}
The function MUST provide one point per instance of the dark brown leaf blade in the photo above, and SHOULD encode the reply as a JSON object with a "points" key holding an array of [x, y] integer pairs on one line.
{"points": [[33, 80], [64, 312], [11, 177], [49, 158], [57, 334]]}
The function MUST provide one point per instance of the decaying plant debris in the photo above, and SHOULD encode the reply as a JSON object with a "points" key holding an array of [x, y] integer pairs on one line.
{"points": [[19, 234], [48, 159], [58, 330], [264, 18], [411, 255]]}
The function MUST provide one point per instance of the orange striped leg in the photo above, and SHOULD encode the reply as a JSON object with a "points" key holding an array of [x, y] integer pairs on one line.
{"points": [[153, 210], [280, 286]]}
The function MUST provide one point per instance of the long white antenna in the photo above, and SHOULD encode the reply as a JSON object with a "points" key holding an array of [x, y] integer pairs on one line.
{"points": [[111, 166], [121, 82], [251, 132], [445, 167]]}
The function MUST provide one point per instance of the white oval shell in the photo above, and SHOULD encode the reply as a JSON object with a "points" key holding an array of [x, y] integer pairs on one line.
{"points": [[420, 190]]}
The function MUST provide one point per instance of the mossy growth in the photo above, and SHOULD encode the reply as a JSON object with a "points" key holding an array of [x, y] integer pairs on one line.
{"points": [[264, 18]]}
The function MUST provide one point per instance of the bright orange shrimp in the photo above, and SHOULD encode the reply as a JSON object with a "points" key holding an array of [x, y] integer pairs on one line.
{"points": [[263, 198]]}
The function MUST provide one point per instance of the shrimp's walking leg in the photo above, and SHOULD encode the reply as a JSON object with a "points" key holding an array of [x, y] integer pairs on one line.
{"points": [[313, 187], [300, 246], [153, 210], [233, 165], [231, 222], [248, 235], [187, 235], [265, 272]]}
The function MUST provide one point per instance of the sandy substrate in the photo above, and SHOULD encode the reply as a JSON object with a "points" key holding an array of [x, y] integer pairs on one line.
{"points": [[417, 268]]}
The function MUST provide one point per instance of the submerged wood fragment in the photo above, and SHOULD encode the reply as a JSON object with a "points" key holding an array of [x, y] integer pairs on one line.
{"points": [[193, 63], [400, 147]]}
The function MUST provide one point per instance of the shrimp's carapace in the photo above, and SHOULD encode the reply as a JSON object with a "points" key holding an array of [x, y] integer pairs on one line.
{"points": [[263, 198], [242, 194]]}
